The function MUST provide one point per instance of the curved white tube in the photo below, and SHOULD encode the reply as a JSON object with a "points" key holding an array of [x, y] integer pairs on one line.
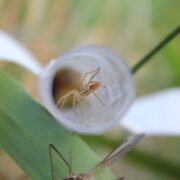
{"points": [[89, 116], [12, 51], [157, 114]]}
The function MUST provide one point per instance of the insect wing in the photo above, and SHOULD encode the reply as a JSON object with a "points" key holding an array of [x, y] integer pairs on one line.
{"points": [[119, 151]]}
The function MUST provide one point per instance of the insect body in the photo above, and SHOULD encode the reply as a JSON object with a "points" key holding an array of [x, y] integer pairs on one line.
{"points": [[80, 94], [107, 161]]}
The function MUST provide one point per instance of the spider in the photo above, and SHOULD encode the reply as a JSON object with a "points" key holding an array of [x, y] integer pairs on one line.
{"points": [[79, 94]]}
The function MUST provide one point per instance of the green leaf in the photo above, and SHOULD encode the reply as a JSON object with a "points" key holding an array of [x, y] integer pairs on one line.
{"points": [[26, 130]]}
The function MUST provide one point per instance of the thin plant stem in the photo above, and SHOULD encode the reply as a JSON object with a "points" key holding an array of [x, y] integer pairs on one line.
{"points": [[156, 49]]}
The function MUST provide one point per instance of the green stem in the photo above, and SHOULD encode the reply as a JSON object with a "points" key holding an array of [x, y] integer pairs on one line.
{"points": [[156, 49]]}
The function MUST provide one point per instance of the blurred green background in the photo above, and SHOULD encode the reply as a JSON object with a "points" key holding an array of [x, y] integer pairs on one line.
{"points": [[131, 28]]}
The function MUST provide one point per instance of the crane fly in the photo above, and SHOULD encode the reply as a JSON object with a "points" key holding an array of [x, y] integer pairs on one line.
{"points": [[80, 92], [111, 158]]}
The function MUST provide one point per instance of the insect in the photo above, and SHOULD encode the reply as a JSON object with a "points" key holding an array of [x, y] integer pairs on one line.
{"points": [[107, 161], [81, 91]]}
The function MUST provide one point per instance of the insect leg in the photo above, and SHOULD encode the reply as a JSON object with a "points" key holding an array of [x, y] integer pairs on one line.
{"points": [[70, 162], [98, 98], [53, 148], [51, 162]]}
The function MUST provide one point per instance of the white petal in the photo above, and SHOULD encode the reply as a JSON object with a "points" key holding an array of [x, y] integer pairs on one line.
{"points": [[12, 51], [156, 114]]}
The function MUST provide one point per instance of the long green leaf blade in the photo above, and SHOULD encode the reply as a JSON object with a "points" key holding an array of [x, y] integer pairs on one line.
{"points": [[26, 130]]}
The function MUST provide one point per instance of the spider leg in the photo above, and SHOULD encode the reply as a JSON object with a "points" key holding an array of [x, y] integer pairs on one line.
{"points": [[103, 86], [81, 108], [74, 102], [62, 100], [78, 98], [98, 98], [95, 73], [90, 72], [74, 105]]}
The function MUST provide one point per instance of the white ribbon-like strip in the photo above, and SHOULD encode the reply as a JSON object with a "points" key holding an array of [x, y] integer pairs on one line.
{"points": [[12, 51], [156, 114]]}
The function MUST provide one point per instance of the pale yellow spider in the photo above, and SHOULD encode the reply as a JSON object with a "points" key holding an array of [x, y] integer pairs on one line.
{"points": [[79, 95]]}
